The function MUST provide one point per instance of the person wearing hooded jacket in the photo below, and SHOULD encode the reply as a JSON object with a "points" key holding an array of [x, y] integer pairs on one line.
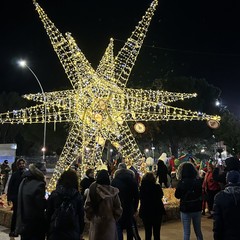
{"points": [[12, 193], [226, 209], [103, 208], [31, 222], [67, 187]]}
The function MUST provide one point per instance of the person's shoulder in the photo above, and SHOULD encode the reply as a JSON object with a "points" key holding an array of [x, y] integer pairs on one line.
{"points": [[219, 196]]}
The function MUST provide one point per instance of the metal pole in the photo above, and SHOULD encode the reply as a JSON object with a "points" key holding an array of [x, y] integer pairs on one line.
{"points": [[45, 113]]}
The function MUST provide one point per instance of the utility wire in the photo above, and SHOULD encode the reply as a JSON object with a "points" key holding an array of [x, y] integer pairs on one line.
{"points": [[187, 51]]}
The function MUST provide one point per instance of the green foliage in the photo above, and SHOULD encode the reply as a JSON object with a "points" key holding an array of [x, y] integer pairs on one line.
{"points": [[229, 132]]}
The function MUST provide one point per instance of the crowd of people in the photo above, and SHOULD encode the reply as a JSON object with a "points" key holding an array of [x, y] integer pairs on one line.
{"points": [[107, 203]]}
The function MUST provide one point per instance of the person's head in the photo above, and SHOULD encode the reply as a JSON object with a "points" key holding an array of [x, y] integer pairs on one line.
{"points": [[233, 177], [21, 164], [122, 166], [232, 163], [90, 173], [187, 170], [210, 167], [103, 177], [5, 161], [69, 179], [149, 177], [37, 170]]}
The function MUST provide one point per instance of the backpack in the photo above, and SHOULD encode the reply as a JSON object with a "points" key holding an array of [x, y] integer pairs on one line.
{"points": [[64, 217]]}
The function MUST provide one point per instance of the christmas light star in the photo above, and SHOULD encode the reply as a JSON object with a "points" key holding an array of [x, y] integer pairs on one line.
{"points": [[100, 104]]}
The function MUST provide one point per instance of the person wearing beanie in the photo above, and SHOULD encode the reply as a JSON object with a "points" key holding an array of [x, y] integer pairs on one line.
{"points": [[226, 209], [103, 208], [31, 223], [12, 193], [5, 169]]}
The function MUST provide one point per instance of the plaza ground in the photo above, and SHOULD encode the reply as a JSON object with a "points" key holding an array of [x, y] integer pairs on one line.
{"points": [[171, 230]]}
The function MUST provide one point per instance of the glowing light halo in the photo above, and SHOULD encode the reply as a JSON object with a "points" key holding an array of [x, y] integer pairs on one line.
{"points": [[102, 93]]}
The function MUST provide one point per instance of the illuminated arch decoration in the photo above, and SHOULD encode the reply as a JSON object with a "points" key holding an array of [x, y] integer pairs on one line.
{"points": [[99, 105]]}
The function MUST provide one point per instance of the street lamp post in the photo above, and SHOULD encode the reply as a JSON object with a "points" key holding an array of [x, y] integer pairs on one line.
{"points": [[23, 63]]}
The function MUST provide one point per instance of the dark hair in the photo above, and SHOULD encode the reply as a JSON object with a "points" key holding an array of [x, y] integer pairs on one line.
{"points": [[90, 170], [69, 179], [187, 170], [149, 177], [103, 177]]}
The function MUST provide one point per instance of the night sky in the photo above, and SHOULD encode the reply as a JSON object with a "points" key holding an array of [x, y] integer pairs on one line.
{"points": [[198, 38]]}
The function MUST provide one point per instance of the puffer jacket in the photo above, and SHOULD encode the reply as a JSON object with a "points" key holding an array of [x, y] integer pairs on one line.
{"points": [[226, 213]]}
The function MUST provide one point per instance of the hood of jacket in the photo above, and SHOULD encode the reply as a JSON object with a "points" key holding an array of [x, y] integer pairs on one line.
{"points": [[34, 173], [106, 191], [233, 190]]}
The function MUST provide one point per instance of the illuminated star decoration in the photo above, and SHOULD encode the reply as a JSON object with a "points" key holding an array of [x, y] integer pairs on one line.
{"points": [[99, 104]]}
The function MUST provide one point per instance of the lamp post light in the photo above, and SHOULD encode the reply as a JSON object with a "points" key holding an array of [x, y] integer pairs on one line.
{"points": [[153, 148], [24, 64]]}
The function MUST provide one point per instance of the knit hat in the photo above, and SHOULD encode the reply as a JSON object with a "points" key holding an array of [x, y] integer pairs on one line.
{"points": [[233, 177]]}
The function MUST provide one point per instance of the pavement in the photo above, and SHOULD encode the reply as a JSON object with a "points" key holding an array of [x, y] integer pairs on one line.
{"points": [[171, 230]]}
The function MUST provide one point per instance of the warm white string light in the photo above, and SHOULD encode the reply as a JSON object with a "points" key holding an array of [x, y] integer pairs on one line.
{"points": [[100, 104]]}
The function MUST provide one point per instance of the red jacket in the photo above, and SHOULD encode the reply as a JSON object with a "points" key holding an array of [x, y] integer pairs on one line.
{"points": [[209, 183]]}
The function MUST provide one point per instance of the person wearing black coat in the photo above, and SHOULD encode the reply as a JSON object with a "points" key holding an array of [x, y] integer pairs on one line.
{"points": [[162, 173], [151, 206], [67, 187], [87, 181], [124, 180], [189, 191], [12, 192], [31, 221], [226, 209]]}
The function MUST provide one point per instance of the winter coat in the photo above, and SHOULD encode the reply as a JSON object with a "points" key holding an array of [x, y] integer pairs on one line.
{"points": [[151, 205], [189, 191], [162, 172], [226, 214], [85, 183], [128, 193], [31, 203], [54, 201], [103, 209], [13, 186]]}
